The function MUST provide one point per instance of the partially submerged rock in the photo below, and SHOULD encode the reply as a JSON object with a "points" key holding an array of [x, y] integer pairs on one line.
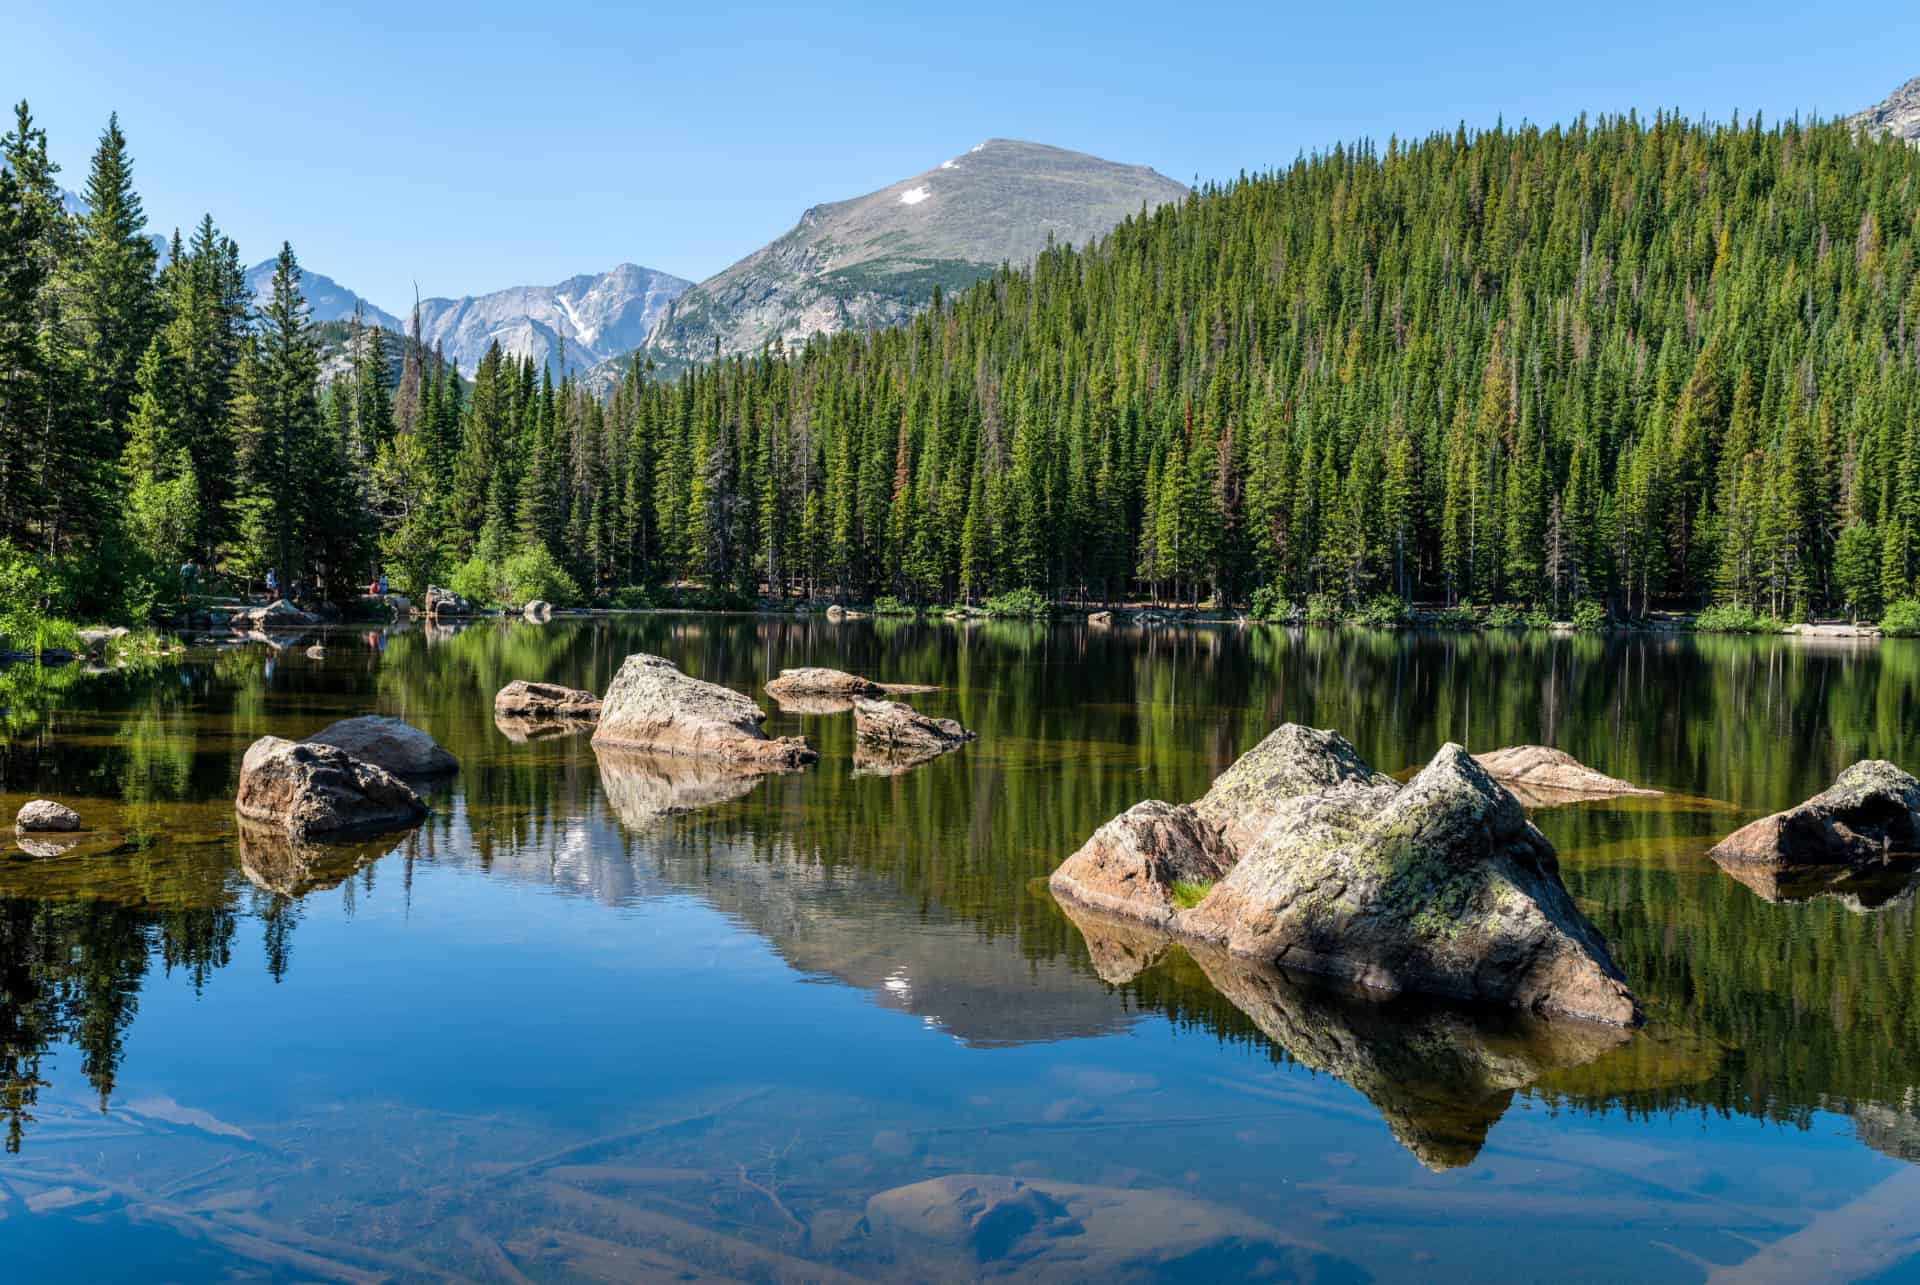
{"points": [[545, 701], [1440, 886], [653, 706], [400, 748], [1869, 814], [316, 652], [43, 816], [310, 789], [1131, 863], [901, 735], [538, 609], [96, 641], [815, 681], [1543, 777], [1861, 889], [278, 614]]}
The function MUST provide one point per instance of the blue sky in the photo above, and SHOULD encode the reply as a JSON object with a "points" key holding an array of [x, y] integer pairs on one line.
{"points": [[486, 145]]}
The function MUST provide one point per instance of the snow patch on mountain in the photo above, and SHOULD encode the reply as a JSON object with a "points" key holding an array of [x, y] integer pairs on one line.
{"points": [[914, 195]]}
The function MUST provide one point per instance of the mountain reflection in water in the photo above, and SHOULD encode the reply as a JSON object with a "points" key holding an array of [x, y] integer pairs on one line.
{"points": [[570, 1025]]}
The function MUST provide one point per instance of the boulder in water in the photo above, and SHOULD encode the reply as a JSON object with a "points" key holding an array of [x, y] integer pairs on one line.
{"points": [[653, 706], [44, 816], [400, 748], [1869, 814], [830, 683], [310, 789], [1440, 886], [538, 609]]}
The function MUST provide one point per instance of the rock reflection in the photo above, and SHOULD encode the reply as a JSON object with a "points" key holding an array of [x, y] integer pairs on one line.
{"points": [[273, 861], [642, 788], [1440, 1076], [1863, 890]]}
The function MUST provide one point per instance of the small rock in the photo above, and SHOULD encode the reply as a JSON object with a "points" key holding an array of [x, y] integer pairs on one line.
{"points": [[388, 743], [445, 602], [836, 613], [822, 682], [536, 701], [538, 609], [316, 652], [897, 732], [43, 816]]}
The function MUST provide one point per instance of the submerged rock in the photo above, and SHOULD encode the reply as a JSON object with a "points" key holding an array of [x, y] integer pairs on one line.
{"points": [[643, 787], [388, 743], [40, 816], [899, 734], [521, 699], [1440, 886], [1543, 777], [310, 788], [1131, 863], [652, 706], [1040, 1229], [1871, 812]]}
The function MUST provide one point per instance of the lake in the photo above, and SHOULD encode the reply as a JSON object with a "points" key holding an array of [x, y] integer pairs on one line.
{"points": [[600, 1023]]}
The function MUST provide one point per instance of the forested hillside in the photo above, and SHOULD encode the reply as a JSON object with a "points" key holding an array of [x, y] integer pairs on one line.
{"points": [[1626, 361]]}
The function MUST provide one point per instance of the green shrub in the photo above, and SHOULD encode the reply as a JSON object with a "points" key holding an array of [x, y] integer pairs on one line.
{"points": [[1023, 603], [1902, 618], [631, 597], [888, 605], [1324, 609], [1539, 618], [1589, 616], [1269, 603], [1459, 616], [1504, 615], [1383, 611], [714, 598], [1734, 618]]}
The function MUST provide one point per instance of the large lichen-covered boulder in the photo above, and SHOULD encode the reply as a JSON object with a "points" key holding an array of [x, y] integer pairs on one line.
{"points": [[653, 706], [1543, 777], [1291, 762], [400, 748], [1870, 813], [537, 702], [901, 735], [1131, 863], [1441, 887], [313, 789], [40, 816]]}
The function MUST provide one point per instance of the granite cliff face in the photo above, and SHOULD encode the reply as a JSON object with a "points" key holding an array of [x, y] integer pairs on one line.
{"points": [[1897, 114], [591, 318], [875, 260]]}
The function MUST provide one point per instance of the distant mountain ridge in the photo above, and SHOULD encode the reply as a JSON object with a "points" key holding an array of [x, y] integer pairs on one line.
{"points": [[577, 323], [874, 260]]}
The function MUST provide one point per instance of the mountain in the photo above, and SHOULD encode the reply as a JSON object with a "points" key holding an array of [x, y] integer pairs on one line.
{"points": [[596, 316], [1897, 114], [874, 260], [328, 299]]}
